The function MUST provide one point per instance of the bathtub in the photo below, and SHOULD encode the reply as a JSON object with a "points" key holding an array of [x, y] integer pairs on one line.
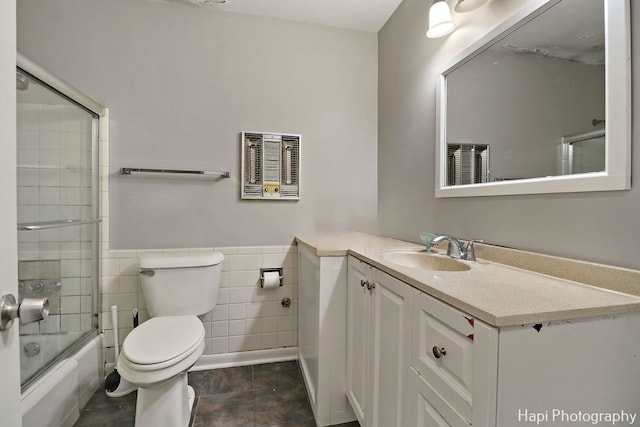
{"points": [[55, 399], [41, 350]]}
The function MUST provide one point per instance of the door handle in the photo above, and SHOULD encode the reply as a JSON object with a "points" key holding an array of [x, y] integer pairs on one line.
{"points": [[29, 310]]}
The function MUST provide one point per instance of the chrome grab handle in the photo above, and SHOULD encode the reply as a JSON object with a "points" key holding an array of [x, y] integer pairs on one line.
{"points": [[42, 225], [29, 310]]}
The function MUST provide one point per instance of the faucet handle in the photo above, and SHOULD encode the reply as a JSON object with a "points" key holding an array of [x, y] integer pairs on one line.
{"points": [[451, 242], [469, 250]]}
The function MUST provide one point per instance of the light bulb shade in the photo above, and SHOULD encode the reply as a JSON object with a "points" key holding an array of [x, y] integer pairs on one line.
{"points": [[440, 22], [464, 6]]}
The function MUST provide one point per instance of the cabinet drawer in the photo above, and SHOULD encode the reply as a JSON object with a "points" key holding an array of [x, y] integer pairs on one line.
{"points": [[429, 408], [437, 325]]}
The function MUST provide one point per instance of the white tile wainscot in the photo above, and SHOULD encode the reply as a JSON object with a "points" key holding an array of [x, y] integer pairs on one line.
{"points": [[246, 317]]}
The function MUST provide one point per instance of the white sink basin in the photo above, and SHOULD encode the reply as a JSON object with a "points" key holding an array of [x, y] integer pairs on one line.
{"points": [[424, 260]]}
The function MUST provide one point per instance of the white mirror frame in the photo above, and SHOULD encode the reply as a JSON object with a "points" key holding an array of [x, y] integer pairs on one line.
{"points": [[617, 175]]}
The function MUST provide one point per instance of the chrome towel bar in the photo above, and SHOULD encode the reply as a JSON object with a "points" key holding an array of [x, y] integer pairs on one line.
{"points": [[129, 171]]}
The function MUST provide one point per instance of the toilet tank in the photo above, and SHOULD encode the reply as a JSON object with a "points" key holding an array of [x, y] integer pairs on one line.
{"points": [[180, 284]]}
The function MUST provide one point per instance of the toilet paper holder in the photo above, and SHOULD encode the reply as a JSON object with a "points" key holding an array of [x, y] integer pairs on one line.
{"points": [[269, 270]]}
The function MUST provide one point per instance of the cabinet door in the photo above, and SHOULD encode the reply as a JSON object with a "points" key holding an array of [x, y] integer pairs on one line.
{"points": [[358, 316], [308, 319], [390, 349]]}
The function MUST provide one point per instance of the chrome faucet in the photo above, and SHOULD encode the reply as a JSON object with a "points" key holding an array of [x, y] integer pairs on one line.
{"points": [[464, 251]]}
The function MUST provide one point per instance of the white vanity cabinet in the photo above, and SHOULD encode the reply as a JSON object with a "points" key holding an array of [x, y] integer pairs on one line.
{"points": [[378, 345], [413, 360], [322, 316], [570, 372]]}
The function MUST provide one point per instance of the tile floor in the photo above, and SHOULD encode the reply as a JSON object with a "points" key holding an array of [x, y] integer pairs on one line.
{"points": [[270, 394]]}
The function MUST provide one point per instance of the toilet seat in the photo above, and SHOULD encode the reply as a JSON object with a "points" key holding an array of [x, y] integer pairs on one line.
{"points": [[162, 341], [161, 348]]}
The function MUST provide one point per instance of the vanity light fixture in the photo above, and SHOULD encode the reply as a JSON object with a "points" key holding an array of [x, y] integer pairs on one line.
{"points": [[464, 6], [440, 22]]}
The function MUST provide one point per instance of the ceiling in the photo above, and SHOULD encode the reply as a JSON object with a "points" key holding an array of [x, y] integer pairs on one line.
{"points": [[572, 30], [362, 15]]}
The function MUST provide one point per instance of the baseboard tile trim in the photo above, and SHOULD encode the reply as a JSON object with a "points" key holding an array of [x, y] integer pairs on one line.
{"points": [[244, 358]]}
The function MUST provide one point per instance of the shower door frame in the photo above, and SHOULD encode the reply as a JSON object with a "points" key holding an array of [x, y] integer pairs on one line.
{"points": [[73, 95]]}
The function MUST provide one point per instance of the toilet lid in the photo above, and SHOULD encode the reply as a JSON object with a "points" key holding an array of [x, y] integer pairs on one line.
{"points": [[161, 339]]}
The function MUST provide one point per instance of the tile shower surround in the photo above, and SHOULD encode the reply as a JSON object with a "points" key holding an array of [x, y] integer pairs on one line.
{"points": [[246, 317]]}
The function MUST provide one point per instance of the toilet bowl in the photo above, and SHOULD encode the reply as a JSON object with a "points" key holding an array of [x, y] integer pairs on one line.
{"points": [[155, 357], [157, 354]]}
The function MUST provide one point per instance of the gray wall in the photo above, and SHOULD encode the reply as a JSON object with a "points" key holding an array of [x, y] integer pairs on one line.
{"points": [[182, 82], [180, 88], [600, 227]]}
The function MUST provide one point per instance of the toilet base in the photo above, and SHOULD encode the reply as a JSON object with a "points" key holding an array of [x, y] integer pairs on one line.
{"points": [[167, 405]]}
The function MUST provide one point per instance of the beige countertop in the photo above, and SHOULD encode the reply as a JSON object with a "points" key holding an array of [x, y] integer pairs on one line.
{"points": [[338, 244], [497, 293]]}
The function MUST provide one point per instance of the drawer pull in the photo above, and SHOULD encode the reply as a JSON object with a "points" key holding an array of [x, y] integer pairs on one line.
{"points": [[438, 352], [368, 284]]}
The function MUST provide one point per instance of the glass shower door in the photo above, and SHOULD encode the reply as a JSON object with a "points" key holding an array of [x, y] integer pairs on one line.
{"points": [[57, 220]]}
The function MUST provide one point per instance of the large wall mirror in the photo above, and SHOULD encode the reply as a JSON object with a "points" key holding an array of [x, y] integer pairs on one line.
{"points": [[542, 104]]}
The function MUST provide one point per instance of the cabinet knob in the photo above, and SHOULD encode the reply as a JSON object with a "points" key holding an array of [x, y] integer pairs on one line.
{"points": [[438, 352], [363, 282], [371, 285]]}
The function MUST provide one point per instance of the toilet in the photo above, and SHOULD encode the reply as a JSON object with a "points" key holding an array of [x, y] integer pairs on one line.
{"points": [[156, 355]]}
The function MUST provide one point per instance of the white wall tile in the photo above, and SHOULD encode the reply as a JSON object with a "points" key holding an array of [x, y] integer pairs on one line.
{"points": [[236, 278], [70, 322], [219, 345], [253, 342], [285, 339], [128, 284], [270, 260], [253, 261], [220, 312], [269, 324], [236, 343], [236, 311], [223, 296], [236, 262], [220, 329], [70, 304], [237, 327], [270, 340], [271, 249], [109, 285], [236, 295], [246, 317]]}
